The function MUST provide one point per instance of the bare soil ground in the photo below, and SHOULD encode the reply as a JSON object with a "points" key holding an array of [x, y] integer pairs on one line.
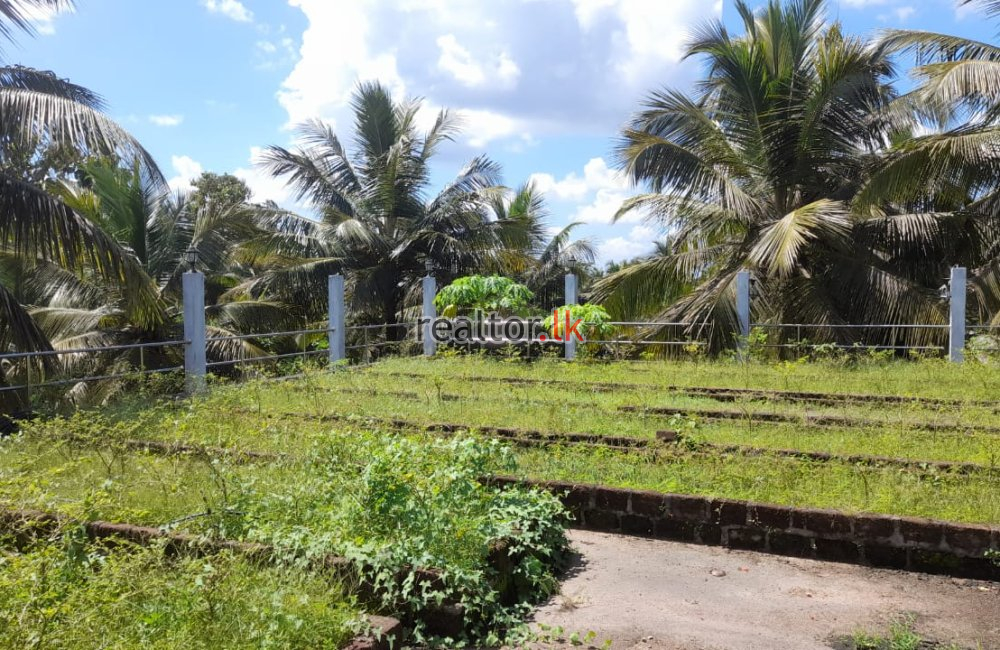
{"points": [[656, 595]]}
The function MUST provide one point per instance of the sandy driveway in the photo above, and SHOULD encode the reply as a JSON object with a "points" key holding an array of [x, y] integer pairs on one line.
{"points": [[655, 595]]}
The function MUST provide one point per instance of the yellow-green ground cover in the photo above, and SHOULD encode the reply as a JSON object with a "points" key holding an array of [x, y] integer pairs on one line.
{"points": [[336, 477], [286, 417]]}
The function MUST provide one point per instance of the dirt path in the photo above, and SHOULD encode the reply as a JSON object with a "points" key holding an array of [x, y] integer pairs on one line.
{"points": [[657, 595]]}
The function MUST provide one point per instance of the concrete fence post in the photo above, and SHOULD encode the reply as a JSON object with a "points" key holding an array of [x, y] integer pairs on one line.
{"points": [[195, 364], [956, 328], [743, 309], [571, 299], [337, 329], [429, 314]]}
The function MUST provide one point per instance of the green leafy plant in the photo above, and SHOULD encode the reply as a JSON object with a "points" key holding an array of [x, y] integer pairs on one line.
{"points": [[490, 294], [395, 505], [596, 320]]}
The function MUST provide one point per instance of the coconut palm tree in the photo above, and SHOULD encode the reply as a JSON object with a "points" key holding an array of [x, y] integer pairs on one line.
{"points": [[43, 120], [952, 170], [41, 113], [761, 169], [82, 309], [377, 223], [531, 252]]}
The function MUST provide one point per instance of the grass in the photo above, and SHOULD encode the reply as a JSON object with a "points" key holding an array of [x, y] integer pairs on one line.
{"points": [[268, 417], [393, 504], [928, 378], [785, 481], [901, 635], [402, 499], [67, 594], [261, 410]]}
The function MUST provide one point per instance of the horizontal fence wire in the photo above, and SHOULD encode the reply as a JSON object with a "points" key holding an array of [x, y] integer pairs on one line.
{"points": [[267, 335], [270, 357], [368, 342], [846, 326], [851, 346], [375, 327], [91, 378], [805, 344], [640, 337], [105, 348]]}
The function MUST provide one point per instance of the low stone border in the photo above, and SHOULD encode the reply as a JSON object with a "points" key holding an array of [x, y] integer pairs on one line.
{"points": [[909, 543], [162, 448], [388, 633], [724, 393], [804, 419], [919, 467], [530, 437]]}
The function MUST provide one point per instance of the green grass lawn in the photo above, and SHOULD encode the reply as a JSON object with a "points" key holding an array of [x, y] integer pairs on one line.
{"points": [[390, 502], [928, 378], [264, 416], [68, 594], [349, 483], [282, 416]]}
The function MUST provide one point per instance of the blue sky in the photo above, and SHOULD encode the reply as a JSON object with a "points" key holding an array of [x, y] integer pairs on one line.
{"points": [[543, 84]]}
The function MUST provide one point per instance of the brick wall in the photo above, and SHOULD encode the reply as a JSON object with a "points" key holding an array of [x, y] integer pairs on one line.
{"points": [[877, 540]]}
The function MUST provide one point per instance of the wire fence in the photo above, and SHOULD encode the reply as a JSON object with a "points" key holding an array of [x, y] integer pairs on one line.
{"points": [[42, 369], [805, 337], [633, 339], [29, 377]]}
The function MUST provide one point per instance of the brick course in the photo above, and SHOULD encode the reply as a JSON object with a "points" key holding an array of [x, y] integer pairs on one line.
{"points": [[878, 540]]}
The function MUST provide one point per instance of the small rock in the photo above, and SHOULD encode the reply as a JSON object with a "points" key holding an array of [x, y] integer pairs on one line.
{"points": [[718, 573]]}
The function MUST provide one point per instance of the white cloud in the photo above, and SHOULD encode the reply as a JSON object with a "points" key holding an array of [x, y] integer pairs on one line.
{"points": [[640, 241], [603, 208], [962, 11], [273, 53], [588, 11], [596, 176], [593, 197], [263, 186], [618, 249], [334, 55], [482, 127], [897, 14], [456, 60], [233, 9], [166, 120], [42, 18], [186, 169], [652, 34], [598, 192], [600, 57], [642, 234]]}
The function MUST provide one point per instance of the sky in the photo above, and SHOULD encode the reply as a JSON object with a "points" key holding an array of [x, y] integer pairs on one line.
{"points": [[543, 86]]}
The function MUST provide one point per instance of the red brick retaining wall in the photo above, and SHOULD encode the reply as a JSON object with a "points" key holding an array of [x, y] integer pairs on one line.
{"points": [[909, 543]]}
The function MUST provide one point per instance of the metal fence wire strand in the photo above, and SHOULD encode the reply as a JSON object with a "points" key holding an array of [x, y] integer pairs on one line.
{"points": [[371, 342]]}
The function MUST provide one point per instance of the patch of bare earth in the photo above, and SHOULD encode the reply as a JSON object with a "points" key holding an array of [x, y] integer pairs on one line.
{"points": [[656, 595]]}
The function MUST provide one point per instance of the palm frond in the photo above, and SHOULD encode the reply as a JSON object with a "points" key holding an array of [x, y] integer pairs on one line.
{"points": [[18, 328], [781, 246], [16, 15]]}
